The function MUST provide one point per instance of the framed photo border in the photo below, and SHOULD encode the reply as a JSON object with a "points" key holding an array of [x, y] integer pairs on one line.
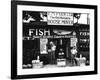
{"points": [[14, 4]]}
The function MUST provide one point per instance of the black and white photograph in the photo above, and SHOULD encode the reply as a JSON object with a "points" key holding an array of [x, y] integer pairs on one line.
{"points": [[55, 39]]}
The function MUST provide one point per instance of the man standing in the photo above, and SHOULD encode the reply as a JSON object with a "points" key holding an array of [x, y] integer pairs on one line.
{"points": [[73, 54], [51, 51]]}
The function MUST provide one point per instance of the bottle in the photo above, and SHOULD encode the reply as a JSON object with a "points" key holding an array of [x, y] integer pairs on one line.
{"points": [[38, 59], [80, 56]]}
